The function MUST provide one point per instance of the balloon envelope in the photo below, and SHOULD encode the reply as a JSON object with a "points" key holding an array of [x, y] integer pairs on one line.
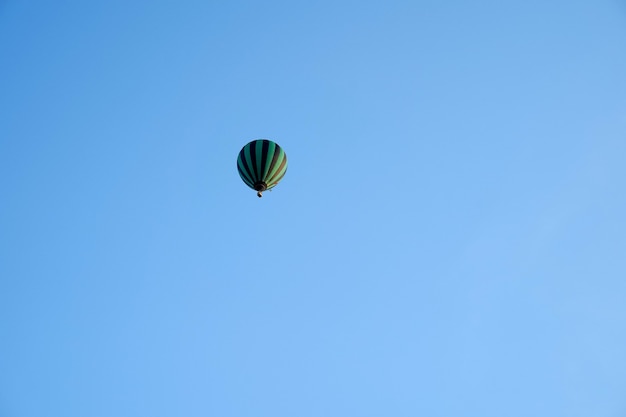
{"points": [[262, 164]]}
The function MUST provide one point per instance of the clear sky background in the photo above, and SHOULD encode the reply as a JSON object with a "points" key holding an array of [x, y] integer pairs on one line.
{"points": [[449, 239]]}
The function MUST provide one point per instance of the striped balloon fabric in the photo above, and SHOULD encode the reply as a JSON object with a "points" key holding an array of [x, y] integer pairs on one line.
{"points": [[261, 165]]}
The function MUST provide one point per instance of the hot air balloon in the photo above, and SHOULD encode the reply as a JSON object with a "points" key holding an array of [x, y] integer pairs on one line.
{"points": [[261, 165]]}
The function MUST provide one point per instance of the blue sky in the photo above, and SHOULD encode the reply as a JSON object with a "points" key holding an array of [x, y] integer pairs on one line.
{"points": [[449, 239]]}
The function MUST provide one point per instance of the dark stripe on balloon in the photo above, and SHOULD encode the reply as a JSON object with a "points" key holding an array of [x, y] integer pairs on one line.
{"points": [[277, 179], [278, 157], [248, 183], [255, 158], [244, 163], [279, 171], [241, 165], [265, 144], [268, 158], [281, 168], [243, 174], [249, 162], [279, 176], [259, 159]]}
